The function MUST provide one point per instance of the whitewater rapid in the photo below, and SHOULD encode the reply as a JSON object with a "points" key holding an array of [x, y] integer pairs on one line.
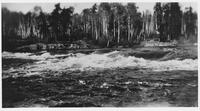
{"points": [[93, 61]]}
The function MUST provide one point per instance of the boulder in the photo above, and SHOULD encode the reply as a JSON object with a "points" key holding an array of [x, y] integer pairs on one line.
{"points": [[32, 47]]}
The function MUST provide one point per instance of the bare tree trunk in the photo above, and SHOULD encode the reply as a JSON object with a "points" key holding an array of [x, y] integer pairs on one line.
{"points": [[118, 32], [106, 26], [91, 26], [108, 42], [103, 26], [96, 31], [128, 28], [114, 29]]}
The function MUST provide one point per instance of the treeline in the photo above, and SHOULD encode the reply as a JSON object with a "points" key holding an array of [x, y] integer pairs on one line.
{"points": [[105, 24]]}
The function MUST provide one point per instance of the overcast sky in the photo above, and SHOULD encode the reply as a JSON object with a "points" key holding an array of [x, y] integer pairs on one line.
{"points": [[48, 7]]}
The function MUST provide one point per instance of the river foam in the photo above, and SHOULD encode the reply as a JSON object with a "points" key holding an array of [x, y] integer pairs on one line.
{"points": [[93, 61]]}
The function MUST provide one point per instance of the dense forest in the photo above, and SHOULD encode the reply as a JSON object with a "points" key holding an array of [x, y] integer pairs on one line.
{"points": [[103, 25]]}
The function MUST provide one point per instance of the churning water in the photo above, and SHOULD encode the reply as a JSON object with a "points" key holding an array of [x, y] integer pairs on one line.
{"points": [[93, 61]]}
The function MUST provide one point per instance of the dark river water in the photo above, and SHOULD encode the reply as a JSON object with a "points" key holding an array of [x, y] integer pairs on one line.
{"points": [[108, 79]]}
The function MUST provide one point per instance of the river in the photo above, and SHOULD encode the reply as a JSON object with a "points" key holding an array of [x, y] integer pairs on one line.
{"points": [[108, 79]]}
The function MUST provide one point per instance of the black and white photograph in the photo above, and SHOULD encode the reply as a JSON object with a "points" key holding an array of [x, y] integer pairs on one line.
{"points": [[99, 54]]}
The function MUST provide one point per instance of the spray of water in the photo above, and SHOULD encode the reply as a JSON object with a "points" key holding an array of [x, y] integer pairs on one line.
{"points": [[93, 61]]}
